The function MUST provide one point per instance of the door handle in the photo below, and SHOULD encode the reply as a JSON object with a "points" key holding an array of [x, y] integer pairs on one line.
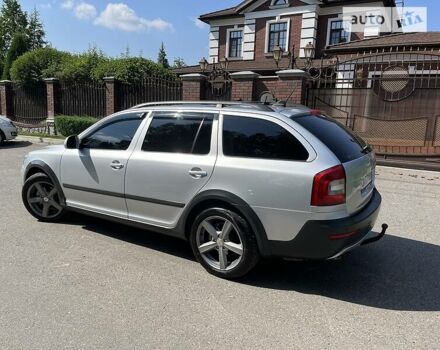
{"points": [[197, 173], [116, 165]]}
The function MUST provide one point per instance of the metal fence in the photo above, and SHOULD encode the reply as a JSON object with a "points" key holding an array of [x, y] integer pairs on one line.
{"points": [[29, 104], [84, 99], [151, 89], [391, 98]]}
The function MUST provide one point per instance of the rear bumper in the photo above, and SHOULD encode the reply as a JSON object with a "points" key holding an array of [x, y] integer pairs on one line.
{"points": [[330, 238]]}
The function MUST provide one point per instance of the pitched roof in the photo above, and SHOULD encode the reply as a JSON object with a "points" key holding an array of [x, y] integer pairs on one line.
{"points": [[423, 39], [236, 11]]}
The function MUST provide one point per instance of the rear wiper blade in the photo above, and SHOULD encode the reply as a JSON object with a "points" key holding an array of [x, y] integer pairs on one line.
{"points": [[366, 149]]}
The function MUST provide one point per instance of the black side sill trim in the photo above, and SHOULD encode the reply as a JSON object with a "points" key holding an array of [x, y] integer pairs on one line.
{"points": [[127, 196]]}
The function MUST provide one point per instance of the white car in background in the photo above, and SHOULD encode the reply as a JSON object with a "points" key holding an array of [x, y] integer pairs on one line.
{"points": [[8, 131]]}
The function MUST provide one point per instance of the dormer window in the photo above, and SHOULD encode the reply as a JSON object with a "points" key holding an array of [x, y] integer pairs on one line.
{"points": [[279, 3]]}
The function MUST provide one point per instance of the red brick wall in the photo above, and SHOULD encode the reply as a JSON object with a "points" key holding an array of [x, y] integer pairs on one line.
{"points": [[283, 89], [192, 90], [243, 90]]}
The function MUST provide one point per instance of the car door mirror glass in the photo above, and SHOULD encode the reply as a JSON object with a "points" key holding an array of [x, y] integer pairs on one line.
{"points": [[72, 142]]}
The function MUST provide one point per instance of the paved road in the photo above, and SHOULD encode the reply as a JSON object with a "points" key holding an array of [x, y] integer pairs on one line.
{"points": [[87, 284]]}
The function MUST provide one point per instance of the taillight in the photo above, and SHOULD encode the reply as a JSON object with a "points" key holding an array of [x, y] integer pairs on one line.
{"points": [[329, 187]]}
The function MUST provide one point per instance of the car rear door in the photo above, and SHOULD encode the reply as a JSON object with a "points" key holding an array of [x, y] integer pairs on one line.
{"points": [[173, 160]]}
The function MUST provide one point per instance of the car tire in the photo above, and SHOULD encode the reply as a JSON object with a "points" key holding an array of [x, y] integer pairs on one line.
{"points": [[223, 243], [2, 137], [42, 199]]}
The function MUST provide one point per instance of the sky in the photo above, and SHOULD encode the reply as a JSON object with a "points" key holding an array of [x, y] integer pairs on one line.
{"points": [[142, 25]]}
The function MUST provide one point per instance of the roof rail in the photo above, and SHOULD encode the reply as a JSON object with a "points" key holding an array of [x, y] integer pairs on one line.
{"points": [[217, 104]]}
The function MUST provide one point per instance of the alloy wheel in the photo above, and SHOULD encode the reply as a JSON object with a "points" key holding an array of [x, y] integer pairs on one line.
{"points": [[219, 243], [44, 200]]}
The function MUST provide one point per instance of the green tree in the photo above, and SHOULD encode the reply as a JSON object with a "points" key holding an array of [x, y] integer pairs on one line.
{"points": [[162, 57], [35, 31], [179, 63], [12, 20], [18, 47]]}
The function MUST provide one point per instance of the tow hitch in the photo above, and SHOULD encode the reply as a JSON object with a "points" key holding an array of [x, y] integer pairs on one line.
{"points": [[378, 237]]}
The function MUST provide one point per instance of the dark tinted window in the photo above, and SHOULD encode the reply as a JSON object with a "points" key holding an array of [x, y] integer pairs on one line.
{"points": [[258, 138], [116, 134], [340, 140], [179, 133]]}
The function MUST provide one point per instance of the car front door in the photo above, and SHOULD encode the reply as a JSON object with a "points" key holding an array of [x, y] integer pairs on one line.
{"points": [[173, 160], [93, 175]]}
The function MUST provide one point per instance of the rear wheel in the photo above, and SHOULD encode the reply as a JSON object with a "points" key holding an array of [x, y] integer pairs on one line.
{"points": [[223, 243], [42, 199], [2, 137]]}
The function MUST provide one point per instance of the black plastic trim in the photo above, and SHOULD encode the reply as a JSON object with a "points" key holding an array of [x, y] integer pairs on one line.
{"points": [[313, 241], [38, 164], [152, 228], [242, 208], [121, 195]]}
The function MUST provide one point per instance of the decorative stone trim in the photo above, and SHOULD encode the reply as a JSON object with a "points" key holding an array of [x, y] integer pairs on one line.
{"points": [[245, 75]]}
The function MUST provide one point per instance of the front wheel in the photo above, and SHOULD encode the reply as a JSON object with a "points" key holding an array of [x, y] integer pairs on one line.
{"points": [[42, 199], [223, 243]]}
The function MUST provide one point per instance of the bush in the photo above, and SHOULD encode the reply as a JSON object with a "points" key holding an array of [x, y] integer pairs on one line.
{"points": [[73, 125], [36, 65], [91, 65], [130, 69]]}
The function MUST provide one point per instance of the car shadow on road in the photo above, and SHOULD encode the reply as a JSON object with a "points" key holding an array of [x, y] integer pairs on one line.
{"points": [[15, 144], [152, 240], [395, 273]]}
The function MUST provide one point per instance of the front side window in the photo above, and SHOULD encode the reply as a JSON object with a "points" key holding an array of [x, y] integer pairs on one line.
{"points": [[174, 132], [258, 138], [117, 134], [235, 43], [277, 36], [338, 34]]}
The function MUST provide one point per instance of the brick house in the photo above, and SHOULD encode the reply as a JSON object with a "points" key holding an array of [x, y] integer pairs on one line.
{"points": [[386, 87], [247, 33]]}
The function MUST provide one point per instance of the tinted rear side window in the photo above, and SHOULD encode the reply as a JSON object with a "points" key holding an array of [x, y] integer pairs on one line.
{"points": [[341, 141], [173, 132], [258, 138]]}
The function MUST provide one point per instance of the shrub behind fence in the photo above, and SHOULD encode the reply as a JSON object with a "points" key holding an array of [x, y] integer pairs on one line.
{"points": [[149, 90], [29, 103], [85, 99]]}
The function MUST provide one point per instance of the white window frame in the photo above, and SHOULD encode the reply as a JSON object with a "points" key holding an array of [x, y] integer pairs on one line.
{"points": [[228, 37], [329, 25], [277, 20], [273, 6]]}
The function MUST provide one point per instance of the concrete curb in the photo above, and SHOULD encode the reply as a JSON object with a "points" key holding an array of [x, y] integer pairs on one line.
{"points": [[38, 139]]}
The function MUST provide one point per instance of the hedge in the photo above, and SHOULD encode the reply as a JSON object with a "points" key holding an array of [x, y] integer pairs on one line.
{"points": [[73, 125]]}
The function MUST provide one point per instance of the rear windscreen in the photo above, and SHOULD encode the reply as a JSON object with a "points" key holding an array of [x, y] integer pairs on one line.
{"points": [[340, 140]]}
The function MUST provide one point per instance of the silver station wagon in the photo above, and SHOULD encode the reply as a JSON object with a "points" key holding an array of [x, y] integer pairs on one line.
{"points": [[239, 181]]}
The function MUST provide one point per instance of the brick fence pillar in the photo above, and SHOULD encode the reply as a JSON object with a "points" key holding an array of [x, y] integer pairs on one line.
{"points": [[193, 87], [111, 95], [292, 86], [243, 85], [7, 107], [52, 91]]}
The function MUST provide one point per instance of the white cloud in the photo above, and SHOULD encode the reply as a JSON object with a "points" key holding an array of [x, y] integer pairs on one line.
{"points": [[85, 11], [121, 17], [199, 24], [67, 4]]}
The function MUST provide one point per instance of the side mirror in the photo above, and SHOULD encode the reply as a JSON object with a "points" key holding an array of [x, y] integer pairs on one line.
{"points": [[72, 142]]}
